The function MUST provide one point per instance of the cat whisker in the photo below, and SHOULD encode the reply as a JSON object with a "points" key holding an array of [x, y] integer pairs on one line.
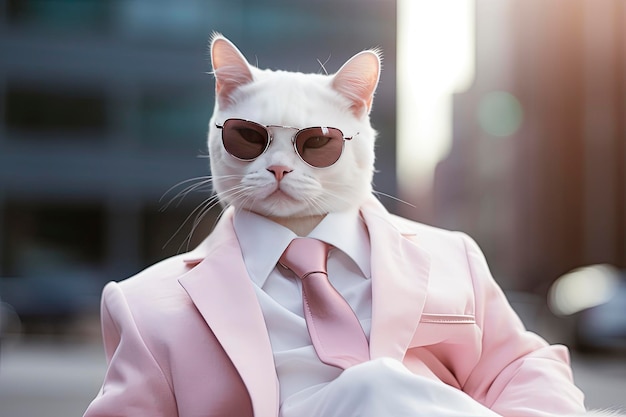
{"points": [[380, 193], [323, 64], [199, 183], [204, 183], [209, 201], [201, 179], [184, 193], [202, 210], [248, 197], [206, 208]]}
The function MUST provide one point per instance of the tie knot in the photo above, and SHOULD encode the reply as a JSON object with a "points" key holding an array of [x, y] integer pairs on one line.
{"points": [[304, 256]]}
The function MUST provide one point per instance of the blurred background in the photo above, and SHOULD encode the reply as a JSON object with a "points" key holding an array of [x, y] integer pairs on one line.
{"points": [[501, 118]]}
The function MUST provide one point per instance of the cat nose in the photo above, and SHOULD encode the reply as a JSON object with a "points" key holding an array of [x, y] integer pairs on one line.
{"points": [[279, 171]]}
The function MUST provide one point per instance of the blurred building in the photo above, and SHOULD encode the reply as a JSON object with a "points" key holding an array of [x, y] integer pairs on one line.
{"points": [[104, 106], [537, 170]]}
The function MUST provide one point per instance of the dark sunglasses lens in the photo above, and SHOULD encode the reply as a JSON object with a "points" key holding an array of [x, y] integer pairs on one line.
{"points": [[320, 146], [244, 140]]}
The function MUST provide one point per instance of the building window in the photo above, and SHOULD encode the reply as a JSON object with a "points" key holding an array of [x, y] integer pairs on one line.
{"points": [[49, 239], [171, 231], [40, 109]]}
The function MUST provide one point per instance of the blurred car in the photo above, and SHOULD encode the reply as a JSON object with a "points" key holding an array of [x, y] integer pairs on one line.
{"points": [[45, 304], [595, 298]]}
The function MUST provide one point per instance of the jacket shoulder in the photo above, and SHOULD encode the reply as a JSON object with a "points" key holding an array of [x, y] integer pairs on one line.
{"points": [[160, 274], [426, 234]]}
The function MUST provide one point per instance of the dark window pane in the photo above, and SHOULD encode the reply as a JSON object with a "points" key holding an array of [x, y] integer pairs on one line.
{"points": [[49, 238], [29, 108], [171, 231]]}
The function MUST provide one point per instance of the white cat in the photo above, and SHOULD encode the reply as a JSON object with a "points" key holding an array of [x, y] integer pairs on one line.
{"points": [[305, 193], [273, 180], [221, 330]]}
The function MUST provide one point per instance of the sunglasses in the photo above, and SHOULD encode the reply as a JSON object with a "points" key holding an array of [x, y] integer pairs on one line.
{"points": [[319, 147]]}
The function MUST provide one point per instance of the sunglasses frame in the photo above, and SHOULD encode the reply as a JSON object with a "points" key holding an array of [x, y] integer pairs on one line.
{"points": [[270, 138]]}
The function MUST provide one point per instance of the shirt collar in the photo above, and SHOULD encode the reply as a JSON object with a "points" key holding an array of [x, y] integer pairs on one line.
{"points": [[263, 241]]}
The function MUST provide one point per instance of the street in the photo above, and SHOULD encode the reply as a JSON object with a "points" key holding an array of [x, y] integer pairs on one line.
{"points": [[44, 378]]}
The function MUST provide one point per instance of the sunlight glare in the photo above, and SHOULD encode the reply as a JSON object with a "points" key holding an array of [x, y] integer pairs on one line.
{"points": [[435, 60]]}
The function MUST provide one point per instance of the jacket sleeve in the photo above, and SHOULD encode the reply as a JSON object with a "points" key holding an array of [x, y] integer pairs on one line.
{"points": [[518, 373], [134, 384]]}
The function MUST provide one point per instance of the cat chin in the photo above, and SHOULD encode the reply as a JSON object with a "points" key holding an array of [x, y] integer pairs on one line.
{"points": [[283, 208]]}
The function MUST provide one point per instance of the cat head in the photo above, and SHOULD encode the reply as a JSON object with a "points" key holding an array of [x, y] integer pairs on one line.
{"points": [[278, 183]]}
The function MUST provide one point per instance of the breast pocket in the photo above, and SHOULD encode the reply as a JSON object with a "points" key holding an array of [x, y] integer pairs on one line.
{"points": [[445, 329]]}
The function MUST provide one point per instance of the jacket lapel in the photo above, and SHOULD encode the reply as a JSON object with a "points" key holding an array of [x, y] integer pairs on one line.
{"points": [[400, 271], [221, 290]]}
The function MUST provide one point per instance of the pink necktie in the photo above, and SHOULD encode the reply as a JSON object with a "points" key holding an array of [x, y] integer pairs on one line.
{"points": [[335, 330]]}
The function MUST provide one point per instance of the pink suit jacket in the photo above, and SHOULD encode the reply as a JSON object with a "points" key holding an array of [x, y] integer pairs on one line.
{"points": [[186, 337]]}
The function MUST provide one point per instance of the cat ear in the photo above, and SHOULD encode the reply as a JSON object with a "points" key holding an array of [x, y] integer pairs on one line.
{"points": [[357, 80], [230, 68]]}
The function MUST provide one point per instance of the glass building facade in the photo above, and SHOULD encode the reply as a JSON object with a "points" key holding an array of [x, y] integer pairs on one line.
{"points": [[104, 105]]}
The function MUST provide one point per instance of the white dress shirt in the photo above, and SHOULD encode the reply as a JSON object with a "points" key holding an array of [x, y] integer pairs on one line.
{"points": [[308, 387], [279, 292]]}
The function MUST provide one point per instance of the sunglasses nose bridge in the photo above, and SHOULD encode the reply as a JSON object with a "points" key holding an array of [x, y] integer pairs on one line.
{"points": [[281, 138], [281, 131], [281, 154]]}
